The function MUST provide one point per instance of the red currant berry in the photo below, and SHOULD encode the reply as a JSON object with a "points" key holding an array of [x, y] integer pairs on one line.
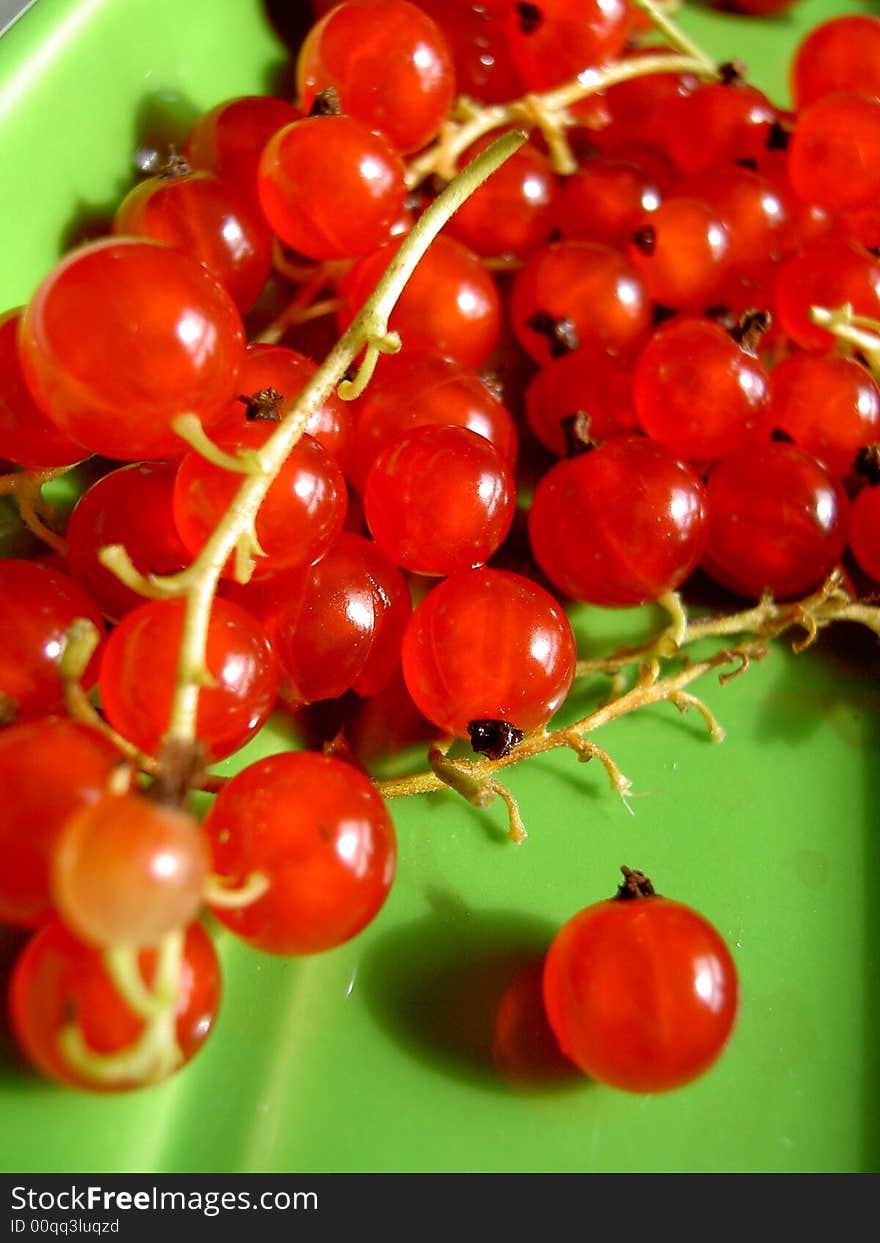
{"points": [[330, 187], [699, 393], [513, 212], [139, 672], [127, 871], [778, 521], [123, 336], [229, 139], [204, 217], [319, 832], [586, 382], [682, 252], [438, 500], [303, 511], [828, 404], [488, 645], [553, 41], [577, 293], [842, 54], [38, 605], [57, 979], [620, 525], [834, 155], [132, 507], [335, 625], [388, 63], [674, 1016]]}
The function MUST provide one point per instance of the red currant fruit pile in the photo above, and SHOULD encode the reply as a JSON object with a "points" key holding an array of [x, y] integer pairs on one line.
{"points": [[350, 468]]}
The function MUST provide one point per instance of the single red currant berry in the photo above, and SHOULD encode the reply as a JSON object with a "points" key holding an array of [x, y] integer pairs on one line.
{"points": [[389, 65], [38, 606], [778, 521], [438, 500], [487, 645], [139, 673], [619, 525], [571, 294], [127, 871], [131, 506], [330, 187], [320, 834], [698, 392], [122, 337], [58, 980], [641, 991]]}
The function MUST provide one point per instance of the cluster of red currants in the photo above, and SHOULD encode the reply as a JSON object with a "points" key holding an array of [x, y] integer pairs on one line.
{"points": [[657, 366]]}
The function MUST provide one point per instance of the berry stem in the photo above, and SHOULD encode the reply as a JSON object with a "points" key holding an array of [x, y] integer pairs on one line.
{"points": [[156, 1053], [25, 487], [675, 35], [547, 112], [850, 329]]}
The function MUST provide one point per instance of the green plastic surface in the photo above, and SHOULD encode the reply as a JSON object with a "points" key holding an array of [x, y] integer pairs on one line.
{"points": [[377, 1056]]}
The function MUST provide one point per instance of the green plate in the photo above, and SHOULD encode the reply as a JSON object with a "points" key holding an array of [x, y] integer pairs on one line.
{"points": [[377, 1056]]}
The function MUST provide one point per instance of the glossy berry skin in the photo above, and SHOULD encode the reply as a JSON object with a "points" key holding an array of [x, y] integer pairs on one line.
{"points": [[638, 109], [864, 536], [303, 511], [828, 273], [586, 382], [513, 212], [139, 668], [438, 500], [553, 41], [842, 54], [828, 404], [594, 288], [204, 217], [27, 437], [38, 605], [834, 154], [127, 871], [319, 831], [641, 993], [389, 64], [330, 187], [49, 768], [682, 252], [476, 42], [485, 644], [336, 625], [778, 521], [131, 506], [415, 388], [717, 124], [697, 392], [603, 200], [229, 139], [57, 976], [124, 335], [450, 304], [620, 525], [753, 210]]}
